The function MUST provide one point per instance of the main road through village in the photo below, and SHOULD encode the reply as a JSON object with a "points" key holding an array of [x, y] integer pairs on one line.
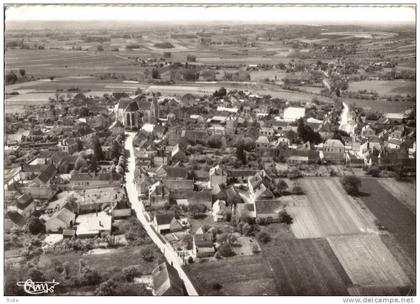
{"points": [[138, 206]]}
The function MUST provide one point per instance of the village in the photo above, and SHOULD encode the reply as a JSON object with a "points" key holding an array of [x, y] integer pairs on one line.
{"points": [[210, 172], [175, 172]]}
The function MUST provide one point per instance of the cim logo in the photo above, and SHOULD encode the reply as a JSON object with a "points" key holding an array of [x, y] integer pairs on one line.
{"points": [[35, 288]]}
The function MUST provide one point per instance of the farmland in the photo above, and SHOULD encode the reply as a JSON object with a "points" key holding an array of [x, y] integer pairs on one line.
{"points": [[404, 191], [367, 261], [392, 214], [245, 275], [329, 211], [306, 267], [382, 87]]}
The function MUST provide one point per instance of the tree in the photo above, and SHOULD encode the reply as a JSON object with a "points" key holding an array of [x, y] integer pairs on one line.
{"points": [[292, 136], [155, 73], [22, 72], [115, 149], [240, 154], [351, 184], [107, 288], [215, 142], [93, 164], [281, 186], [35, 275], [89, 276], [306, 133], [97, 148], [187, 240], [147, 254], [35, 225], [220, 93], [263, 237], [80, 162], [130, 273], [11, 77], [374, 171], [285, 217], [225, 250]]}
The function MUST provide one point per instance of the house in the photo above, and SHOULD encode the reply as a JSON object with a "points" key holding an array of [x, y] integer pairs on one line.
{"points": [[367, 132], [175, 225], [166, 281], [176, 172], [334, 151], [178, 184], [217, 176], [69, 145], [269, 209], [293, 113], [25, 205], [92, 200], [94, 224], [202, 246], [43, 179], [259, 186], [241, 175], [246, 210], [60, 220], [297, 160], [218, 210], [100, 180], [395, 117], [314, 123], [158, 194], [267, 132], [178, 155], [190, 197], [393, 144], [216, 130], [262, 143], [397, 135], [162, 222], [29, 172]]}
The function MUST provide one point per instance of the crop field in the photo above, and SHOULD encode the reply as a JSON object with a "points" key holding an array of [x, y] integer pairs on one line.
{"points": [[367, 261], [328, 210], [392, 214], [305, 267], [405, 192], [406, 263], [60, 63], [240, 276], [305, 224], [384, 87]]}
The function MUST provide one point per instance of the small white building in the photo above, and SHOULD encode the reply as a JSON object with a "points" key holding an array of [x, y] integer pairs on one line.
{"points": [[293, 113], [218, 210]]}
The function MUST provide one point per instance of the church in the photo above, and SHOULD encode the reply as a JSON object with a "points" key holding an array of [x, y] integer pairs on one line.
{"points": [[133, 116]]}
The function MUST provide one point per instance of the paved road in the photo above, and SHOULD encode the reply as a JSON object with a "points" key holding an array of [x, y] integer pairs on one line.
{"points": [[346, 120], [138, 206]]}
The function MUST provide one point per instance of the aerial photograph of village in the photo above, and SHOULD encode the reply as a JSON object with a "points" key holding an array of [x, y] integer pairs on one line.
{"points": [[163, 151]]}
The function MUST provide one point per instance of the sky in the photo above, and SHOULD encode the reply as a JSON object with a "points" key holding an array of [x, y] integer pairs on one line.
{"points": [[285, 14]]}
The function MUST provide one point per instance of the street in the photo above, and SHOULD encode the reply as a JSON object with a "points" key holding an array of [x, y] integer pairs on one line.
{"points": [[137, 205]]}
